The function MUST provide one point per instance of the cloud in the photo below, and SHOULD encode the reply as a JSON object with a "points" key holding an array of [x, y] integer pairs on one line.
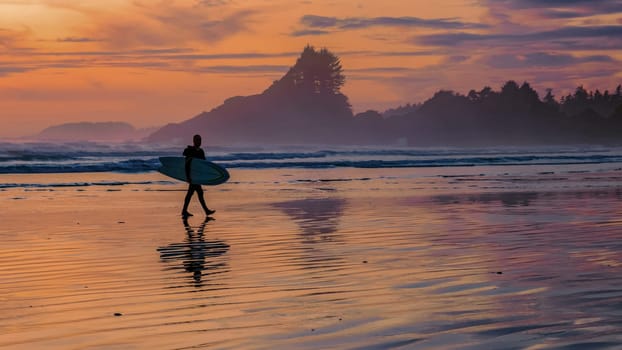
{"points": [[179, 59], [561, 14], [309, 32], [10, 38], [164, 53], [174, 53], [319, 25], [457, 59], [404, 53], [541, 59], [213, 3], [558, 9], [381, 53], [166, 59], [314, 21], [163, 24], [7, 70], [238, 55], [608, 5], [104, 53], [72, 39], [611, 32], [379, 70], [227, 69]]}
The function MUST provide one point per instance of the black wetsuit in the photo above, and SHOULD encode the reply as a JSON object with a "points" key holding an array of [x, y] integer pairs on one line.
{"points": [[190, 153]]}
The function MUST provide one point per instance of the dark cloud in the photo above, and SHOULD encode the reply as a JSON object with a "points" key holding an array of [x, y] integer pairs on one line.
{"points": [[380, 70], [129, 64], [309, 32], [213, 3], [180, 59], [457, 58], [541, 59], [388, 53], [244, 69], [452, 39], [526, 4], [77, 40], [567, 78], [166, 59], [599, 44], [240, 55], [314, 21], [559, 9], [164, 54], [561, 14], [315, 25], [570, 33], [10, 38], [191, 54], [405, 53], [6, 70], [81, 63]]}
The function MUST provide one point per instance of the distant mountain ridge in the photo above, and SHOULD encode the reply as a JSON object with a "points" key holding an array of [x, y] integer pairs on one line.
{"points": [[93, 131]]}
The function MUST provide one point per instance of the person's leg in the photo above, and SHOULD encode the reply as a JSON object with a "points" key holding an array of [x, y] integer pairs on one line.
{"points": [[189, 194], [208, 211]]}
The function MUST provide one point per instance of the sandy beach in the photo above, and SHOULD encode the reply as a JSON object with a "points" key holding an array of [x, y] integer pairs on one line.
{"points": [[315, 259]]}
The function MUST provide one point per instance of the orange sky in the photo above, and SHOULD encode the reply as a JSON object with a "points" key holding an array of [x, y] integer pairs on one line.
{"points": [[154, 62]]}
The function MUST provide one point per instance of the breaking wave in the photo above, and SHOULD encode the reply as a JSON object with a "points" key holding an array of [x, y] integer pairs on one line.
{"points": [[75, 158]]}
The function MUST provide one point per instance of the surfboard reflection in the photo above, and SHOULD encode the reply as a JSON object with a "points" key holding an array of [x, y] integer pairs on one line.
{"points": [[199, 257]]}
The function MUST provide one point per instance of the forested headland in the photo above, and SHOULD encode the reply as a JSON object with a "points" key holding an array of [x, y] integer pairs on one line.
{"points": [[307, 106]]}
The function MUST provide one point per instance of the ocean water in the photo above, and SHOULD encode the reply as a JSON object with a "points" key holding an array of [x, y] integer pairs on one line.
{"points": [[339, 258], [484, 249], [92, 157], [51, 158]]}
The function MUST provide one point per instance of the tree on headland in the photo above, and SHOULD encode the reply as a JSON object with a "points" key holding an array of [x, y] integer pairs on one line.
{"points": [[313, 85], [318, 72], [549, 98]]}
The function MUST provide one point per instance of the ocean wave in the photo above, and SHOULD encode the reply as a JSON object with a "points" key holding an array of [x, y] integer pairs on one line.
{"points": [[81, 184], [152, 164], [78, 158], [129, 166], [419, 163]]}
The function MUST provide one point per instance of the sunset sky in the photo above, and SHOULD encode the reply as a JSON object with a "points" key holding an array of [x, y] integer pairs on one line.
{"points": [[154, 62]]}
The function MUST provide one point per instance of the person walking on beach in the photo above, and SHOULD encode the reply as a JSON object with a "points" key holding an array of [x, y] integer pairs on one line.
{"points": [[191, 152]]}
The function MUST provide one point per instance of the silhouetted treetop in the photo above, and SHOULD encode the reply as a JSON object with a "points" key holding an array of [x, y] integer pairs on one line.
{"points": [[317, 71], [401, 110]]}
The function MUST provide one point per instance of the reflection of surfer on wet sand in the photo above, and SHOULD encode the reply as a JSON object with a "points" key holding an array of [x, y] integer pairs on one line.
{"points": [[195, 250]]}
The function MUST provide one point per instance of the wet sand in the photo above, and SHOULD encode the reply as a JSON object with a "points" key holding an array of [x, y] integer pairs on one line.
{"points": [[314, 259]]}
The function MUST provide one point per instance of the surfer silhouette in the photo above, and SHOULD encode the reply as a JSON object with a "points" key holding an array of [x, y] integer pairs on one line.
{"points": [[191, 152]]}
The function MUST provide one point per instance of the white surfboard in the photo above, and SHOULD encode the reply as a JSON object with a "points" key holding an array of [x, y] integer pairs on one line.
{"points": [[202, 172]]}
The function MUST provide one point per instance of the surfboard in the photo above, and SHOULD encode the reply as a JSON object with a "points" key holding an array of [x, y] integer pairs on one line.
{"points": [[202, 171]]}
